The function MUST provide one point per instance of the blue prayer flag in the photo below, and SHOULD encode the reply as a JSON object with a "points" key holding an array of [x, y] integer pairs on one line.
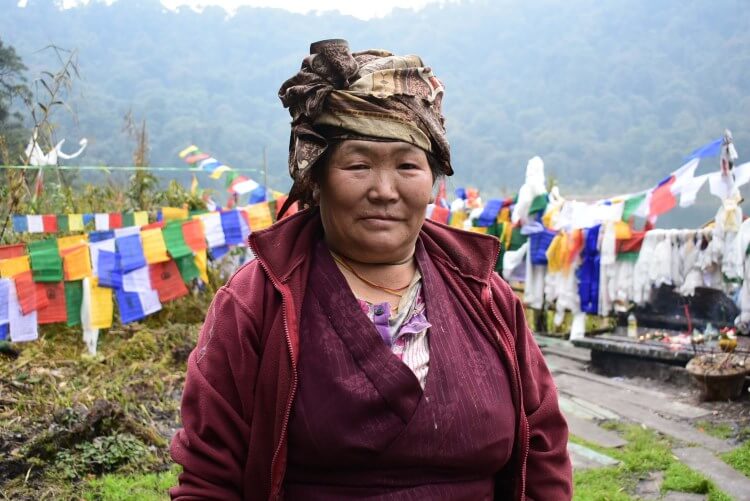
{"points": [[711, 149], [98, 236], [230, 223], [257, 195], [129, 304], [489, 214], [108, 270], [87, 218], [217, 252], [20, 224], [130, 250]]}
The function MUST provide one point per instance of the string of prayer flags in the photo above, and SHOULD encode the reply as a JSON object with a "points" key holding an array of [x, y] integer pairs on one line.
{"points": [[46, 262], [154, 247], [166, 279], [73, 299], [175, 240], [56, 310]]}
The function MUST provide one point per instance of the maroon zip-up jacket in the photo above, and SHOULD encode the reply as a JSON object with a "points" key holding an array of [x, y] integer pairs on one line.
{"points": [[241, 377]]}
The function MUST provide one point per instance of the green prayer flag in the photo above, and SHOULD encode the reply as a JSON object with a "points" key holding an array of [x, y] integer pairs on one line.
{"points": [[128, 219], [230, 176], [631, 205], [62, 223], [631, 257], [175, 240], [188, 268], [46, 263], [73, 300], [517, 239], [539, 203]]}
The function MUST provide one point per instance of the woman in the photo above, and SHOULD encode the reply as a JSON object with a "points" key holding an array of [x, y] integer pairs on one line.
{"points": [[367, 353]]}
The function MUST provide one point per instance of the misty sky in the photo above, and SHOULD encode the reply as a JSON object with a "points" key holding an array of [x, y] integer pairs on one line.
{"points": [[362, 10]]}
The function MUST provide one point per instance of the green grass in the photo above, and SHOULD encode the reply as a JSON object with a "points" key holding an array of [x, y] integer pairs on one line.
{"points": [[739, 459], [718, 430], [645, 452], [145, 487]]}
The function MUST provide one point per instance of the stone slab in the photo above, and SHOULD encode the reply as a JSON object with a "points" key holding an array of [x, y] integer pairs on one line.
{"points": [[620, 344], [584, 458], [645, 397], [613, 400], [584, 409], [683, 496], [724, 476], [590, 431]]}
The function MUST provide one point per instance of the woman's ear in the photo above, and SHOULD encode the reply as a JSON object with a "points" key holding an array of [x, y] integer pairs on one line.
{"points": [[316, 195]]}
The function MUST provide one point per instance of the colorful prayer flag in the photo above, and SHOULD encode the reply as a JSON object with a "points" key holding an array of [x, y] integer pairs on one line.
{"points": [[166, 279], [56, 310]]}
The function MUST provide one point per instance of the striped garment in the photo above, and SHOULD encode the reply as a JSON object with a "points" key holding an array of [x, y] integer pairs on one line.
{"points": [[405, 329]]}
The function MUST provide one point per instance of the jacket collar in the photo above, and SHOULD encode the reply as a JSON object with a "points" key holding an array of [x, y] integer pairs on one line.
{"points": [[285, 245]]}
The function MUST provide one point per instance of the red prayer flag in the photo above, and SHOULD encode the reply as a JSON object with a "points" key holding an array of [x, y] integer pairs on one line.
{"points": [[56, 310], [662, 199], [166, 279], [195, 237], [196, 158], [157, 224], [12, 250], [28, 298], [115, 220], [49, 223], [440, 214]]}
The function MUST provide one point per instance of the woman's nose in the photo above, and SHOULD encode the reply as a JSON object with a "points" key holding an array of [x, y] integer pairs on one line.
{"points": [[383, 188]]}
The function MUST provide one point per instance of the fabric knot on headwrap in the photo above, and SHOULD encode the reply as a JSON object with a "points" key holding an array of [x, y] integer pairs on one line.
{"points": [[371, 95]]}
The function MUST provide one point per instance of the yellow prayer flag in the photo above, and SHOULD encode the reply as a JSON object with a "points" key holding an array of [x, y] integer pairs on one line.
{"points": [[174, 213], [221, 169], [479, 229], [154, 247], [13, 266], [76, 262], [457, 219], [201, 262], [504, 215], [194, 185], [140, 218], [187, 151], [507, 234], [64, 243], [102, 306], [259, 216], [623, 230], [75, 222]]}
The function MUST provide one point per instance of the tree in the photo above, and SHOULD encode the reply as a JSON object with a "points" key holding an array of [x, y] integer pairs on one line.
{"points": [[12, 87]]}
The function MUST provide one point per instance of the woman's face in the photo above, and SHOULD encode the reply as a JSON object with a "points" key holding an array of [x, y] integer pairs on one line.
{"points": [[373, 197]]}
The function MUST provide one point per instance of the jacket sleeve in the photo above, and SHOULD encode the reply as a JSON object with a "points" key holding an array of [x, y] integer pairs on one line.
{"points": [[216, 416], [548, 468]]}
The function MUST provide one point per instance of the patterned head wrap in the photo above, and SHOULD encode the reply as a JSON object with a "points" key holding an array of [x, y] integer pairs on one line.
{"points": [[371, 95]]}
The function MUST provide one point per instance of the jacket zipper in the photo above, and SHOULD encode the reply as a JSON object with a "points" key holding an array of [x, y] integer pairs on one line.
{"points": [[288, 412], [525, 431]]}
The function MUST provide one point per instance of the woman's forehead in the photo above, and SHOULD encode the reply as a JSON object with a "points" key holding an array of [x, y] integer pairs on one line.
{"points": [[357, 146]]}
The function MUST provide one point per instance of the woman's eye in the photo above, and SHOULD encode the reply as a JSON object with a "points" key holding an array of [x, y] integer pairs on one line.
{"points": [[356, 167], [407, 166]]}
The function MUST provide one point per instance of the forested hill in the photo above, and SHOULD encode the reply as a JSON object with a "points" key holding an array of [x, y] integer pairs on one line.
{"points": [[612, 95]]}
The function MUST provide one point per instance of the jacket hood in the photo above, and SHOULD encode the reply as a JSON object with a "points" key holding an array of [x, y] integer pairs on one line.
{"points": [[286, 244]]}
